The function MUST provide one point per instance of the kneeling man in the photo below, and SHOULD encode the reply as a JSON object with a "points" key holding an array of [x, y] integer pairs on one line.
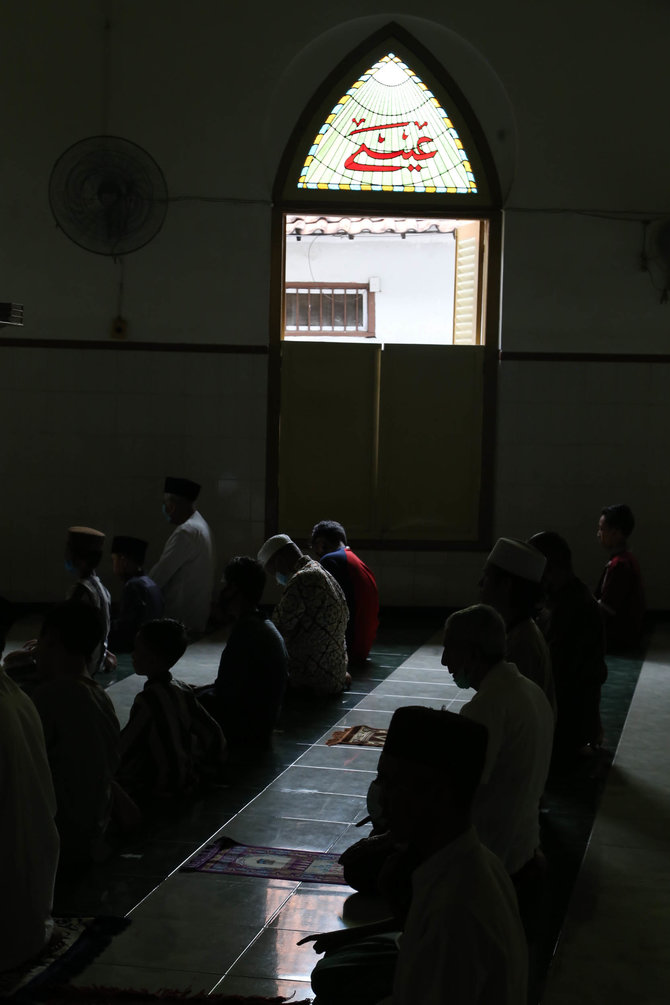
{"points": [[462, 940], [311, 617]]}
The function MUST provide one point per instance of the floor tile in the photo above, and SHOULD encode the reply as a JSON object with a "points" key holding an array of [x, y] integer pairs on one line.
{"points": [[350, 836], [303, 780], [295, 992], [343, 755], [197, 898], [146, 978], [356, 717], [275, 954], [276, 801], [415, 690], [180, 945], [389, 703], [174, 942], [420, 675], [256, 827], [309, 910]]}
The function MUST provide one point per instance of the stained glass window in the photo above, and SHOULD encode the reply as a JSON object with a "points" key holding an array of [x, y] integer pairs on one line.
{"points": [[388, 133]]}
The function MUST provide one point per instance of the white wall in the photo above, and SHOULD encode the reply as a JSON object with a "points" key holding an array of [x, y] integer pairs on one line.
{"points": [[572, 102], [416, 302]]}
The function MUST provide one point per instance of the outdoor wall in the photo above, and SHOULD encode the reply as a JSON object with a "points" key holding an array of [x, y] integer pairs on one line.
{"points": [[572, 102], [416, 273]]}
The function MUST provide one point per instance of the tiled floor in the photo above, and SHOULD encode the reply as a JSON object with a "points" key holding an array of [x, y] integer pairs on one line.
{"points": [[614, 944], [239, 934]]}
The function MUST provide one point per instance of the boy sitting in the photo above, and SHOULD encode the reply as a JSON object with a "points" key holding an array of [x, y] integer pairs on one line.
{"points": [[170, 744], [81, 730]]}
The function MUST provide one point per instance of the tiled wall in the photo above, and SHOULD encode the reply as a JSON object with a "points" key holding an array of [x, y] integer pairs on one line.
{"points": [[89, 436], [572, 438]]}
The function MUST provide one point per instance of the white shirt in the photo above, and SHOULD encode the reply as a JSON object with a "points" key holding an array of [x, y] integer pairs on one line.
{"points": [[28, 835], [463, 941], [520, 725], [527, 649], [185, 573]]}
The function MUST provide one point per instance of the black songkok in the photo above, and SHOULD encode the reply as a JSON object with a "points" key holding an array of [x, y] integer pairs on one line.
{"points": [[183, 487], [435, 737], [132, 547]]}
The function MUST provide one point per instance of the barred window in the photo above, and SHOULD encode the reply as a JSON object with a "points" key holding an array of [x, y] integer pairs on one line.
{"points": [[335, 308]]}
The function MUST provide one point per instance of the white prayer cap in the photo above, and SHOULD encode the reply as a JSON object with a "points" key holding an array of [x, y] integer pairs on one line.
{"points": [[272, 546], [518, 558]]}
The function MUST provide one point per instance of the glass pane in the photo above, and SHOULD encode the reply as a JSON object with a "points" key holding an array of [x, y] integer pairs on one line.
{"points": [[388, 133], [291, 310], [303, 308]]}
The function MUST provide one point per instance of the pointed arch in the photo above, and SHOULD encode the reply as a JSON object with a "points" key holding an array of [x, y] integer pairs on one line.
{"points": [[412, 425], [420, 138], [388, 133]]}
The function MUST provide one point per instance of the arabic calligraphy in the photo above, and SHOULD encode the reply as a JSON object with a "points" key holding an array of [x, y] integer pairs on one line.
{"points": [[387, 156], [366, 158]]}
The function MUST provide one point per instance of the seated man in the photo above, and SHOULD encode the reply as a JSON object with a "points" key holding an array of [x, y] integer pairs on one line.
{"points": [[83, 553], [141, 599], [572, 625], [311, 617], [185, 570], [246, 697], [520, 726], [28, 834], [170, 744], [462, 939], [511, 582], [329, 544], [80, 728], [619, 592]]}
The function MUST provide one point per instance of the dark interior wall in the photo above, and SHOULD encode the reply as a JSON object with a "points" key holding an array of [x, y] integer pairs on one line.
{"points": [[571, 99]]}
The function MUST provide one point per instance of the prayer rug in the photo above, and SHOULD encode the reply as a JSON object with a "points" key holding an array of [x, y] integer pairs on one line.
{"points": [[77, 943], [228, 856], [359, 736], [119, 996]]}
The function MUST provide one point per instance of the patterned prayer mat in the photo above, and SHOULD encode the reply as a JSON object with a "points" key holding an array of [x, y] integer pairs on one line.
{"points": [[112, 996], [359, 736], [77, 943], [226, 855]]}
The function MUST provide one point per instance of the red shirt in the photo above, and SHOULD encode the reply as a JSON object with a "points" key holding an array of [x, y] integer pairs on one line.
{"points": [[621, 597]]}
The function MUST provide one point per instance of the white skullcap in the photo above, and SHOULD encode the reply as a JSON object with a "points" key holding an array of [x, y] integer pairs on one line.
{"points": [[518, 558], [272, 546]]}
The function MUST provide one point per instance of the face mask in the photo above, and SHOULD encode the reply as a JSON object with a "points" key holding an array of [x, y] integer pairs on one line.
{"points": [[69, 567], [281, 578], [461, 679], [165, 513]]}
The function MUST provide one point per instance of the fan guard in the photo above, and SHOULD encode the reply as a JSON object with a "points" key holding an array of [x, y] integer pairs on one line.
{"points": [[108, 195]]}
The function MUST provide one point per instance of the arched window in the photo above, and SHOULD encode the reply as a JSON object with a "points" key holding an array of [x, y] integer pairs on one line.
{"points": [[386, 308], [388, 133]]}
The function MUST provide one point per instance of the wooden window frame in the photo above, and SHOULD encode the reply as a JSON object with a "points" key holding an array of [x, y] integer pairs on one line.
{"points": [[486, 205]]}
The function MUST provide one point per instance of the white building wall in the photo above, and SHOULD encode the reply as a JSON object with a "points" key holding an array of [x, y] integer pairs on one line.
{"points": [[416, 272]]}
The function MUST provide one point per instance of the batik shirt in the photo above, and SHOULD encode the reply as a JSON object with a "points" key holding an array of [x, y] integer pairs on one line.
{"points": [[312, 618]]}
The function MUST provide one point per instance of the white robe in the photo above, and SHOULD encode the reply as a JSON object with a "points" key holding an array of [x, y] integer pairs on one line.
{"points": [[28, 836], [520, 724], [463, 942], [185, 573]]}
